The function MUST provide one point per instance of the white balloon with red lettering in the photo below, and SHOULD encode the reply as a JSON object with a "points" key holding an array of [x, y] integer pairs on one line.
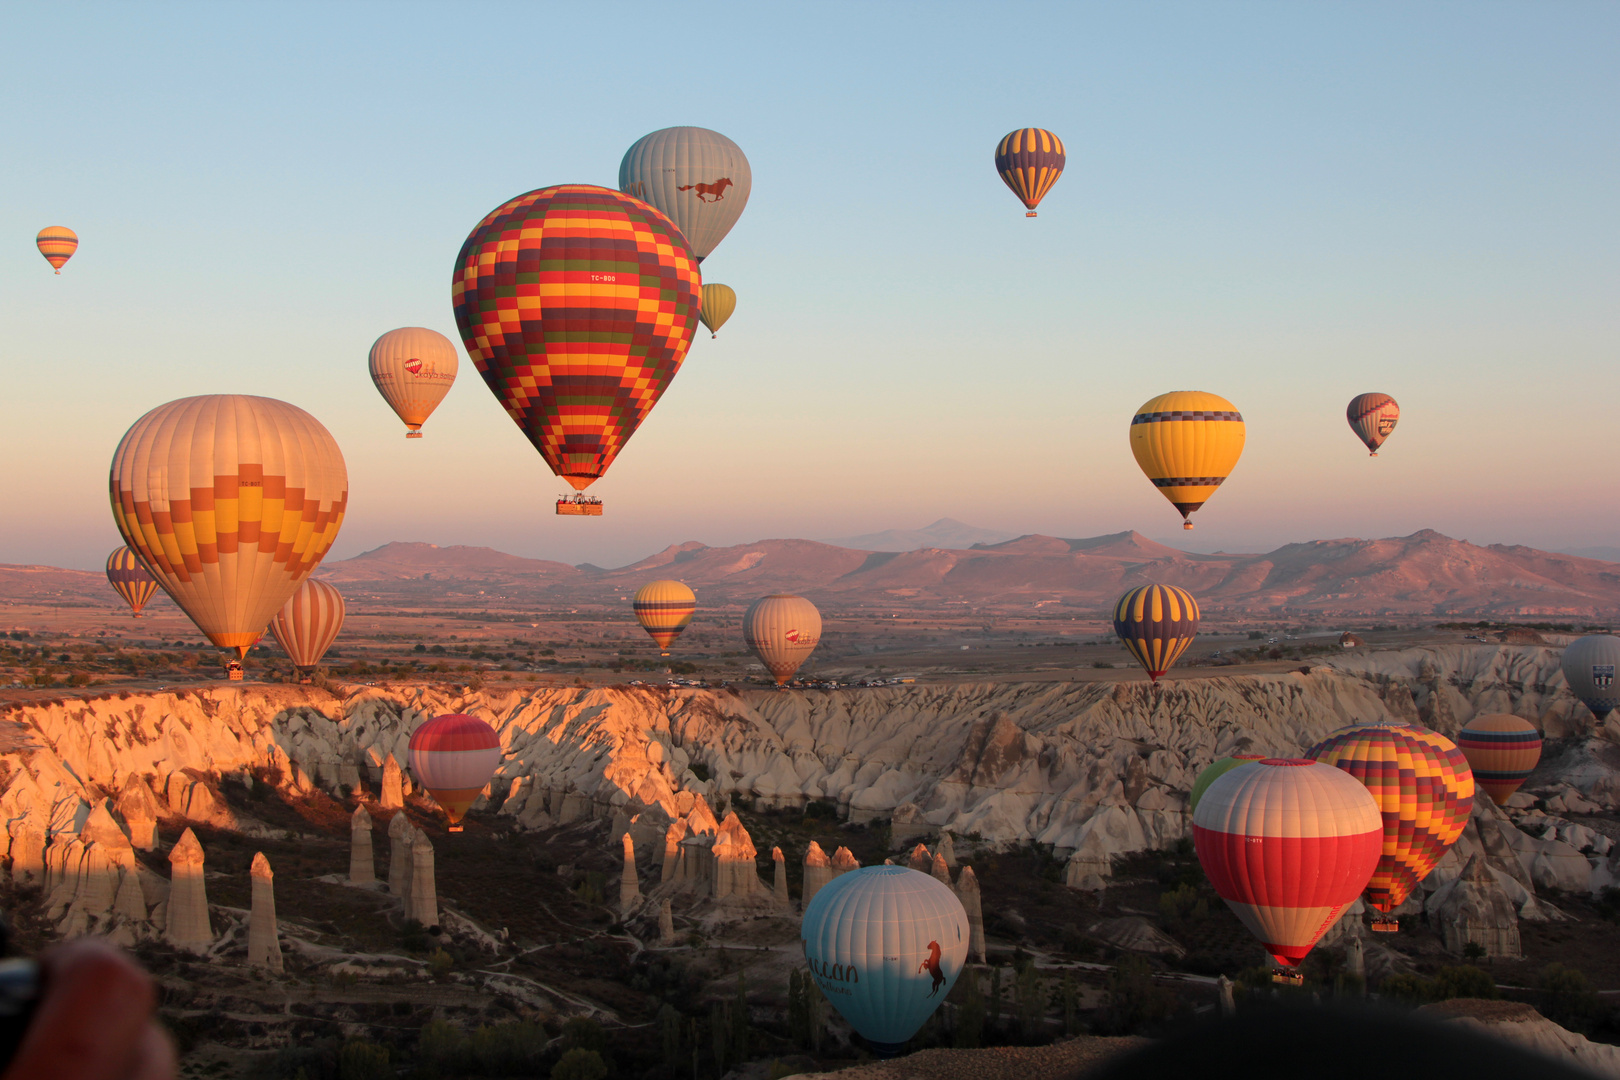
{"points": [[453, 757]]}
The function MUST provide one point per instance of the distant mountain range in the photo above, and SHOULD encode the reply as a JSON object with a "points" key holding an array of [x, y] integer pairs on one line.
{"points": [[1422, 575], [944, 533]]}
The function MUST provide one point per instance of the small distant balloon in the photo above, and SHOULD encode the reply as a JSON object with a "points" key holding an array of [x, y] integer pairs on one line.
{"points": [[1030, 160], [57, 243], [1156, 623], [1372, 417], [664, 608], [718, 304], [413, 368], [1187, 442], [454, 756], [782, 630], [130, 579], [1589, 665], [1502, 749], [306, 625]]}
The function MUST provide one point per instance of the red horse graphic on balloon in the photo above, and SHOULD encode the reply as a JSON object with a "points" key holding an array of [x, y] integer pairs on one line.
{"points": [[931, 965], [716, 189]]}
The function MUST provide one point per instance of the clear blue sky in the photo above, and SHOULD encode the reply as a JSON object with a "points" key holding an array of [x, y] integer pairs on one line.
{"points": [[1285, 203]]}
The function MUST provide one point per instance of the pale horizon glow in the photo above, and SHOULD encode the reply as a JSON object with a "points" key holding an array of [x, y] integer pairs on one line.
{"points": [[1283, 204]]}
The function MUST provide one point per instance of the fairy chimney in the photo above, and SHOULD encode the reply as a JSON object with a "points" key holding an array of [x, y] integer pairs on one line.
{"points": [[264, 941], [629, 883], [399, 855], [393, 792], [362, 861], [779, 880], [967, 890], [946, 850], [1479, 911], [672, 850], [139, 808], [843, 861], [817, 872], [188, 898], [940, 871], [666, 924], [920, 859], [423, 902]]}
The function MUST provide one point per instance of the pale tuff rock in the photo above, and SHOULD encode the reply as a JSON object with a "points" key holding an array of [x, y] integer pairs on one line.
{"points": [[666, 924], [101, 829], [967, 891], [779, 882], [941, 872], [129, 904], [362, 860], [400, 832], [27, 855], [1135, 934], [817, 872], [1519, 1023], [1355, 959], [97, 886], [629, 883], [920, 859], [393, 794], [62, 864], [907, 824], [672, 849], [264, 942], [188, 899], [735, 872], [1475, 908], [422, 904], [1228, 1004], [843, 861], [1091, 865], [946, 850]]}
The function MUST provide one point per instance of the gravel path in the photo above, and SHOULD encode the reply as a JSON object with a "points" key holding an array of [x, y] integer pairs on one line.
{"points": [[1060, 1061]]}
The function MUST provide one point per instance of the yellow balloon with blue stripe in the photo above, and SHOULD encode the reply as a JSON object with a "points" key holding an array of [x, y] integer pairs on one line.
{"points": [[1157, 623], [1187, 442]]}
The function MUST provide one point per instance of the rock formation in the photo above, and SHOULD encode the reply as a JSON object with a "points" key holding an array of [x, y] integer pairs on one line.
{"points": [[843, 861], [1136, 934], [940, 871], [264, 941], [1519, 1023], [1227, 1003], [919, 859], [400, 834], [393, 793], [629, 883], [967, 890], [817, 872], [1476, 909], [779, 882], [1355, 958], [1091, 864], [946, 850], [672, 849], [188, 898], [139, 808], [666, 924], [28, 856], [362, 861], [735, 872], [906, 824], [422, 904]]}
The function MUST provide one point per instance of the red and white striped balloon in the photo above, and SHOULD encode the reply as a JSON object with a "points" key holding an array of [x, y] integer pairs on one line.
{"points": [[1288, 845], [453, 757], [306, 625]]}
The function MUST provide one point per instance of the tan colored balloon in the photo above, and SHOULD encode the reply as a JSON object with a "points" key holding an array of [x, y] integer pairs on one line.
{"points": [[231, 501], [783, 630], [413, 368], [306, 625]]}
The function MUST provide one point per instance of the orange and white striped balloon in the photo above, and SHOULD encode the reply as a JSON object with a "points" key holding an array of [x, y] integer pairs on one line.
{"points": [[454, 756], [306, 625]]}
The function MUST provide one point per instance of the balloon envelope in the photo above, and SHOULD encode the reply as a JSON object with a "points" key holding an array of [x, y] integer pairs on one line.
{"points": [[782, 630], [1213, 772], [306, 625], [885, 945], [577, 305], [1502, 749], [1030, 160], [718, 304], [1372, 417], [1424, 789], [230, 501], [698, 178], [1187, 442], [130, 579], [1157, 623], [1589, 665], [1288, 844], [454, 756], [413, 368], [664, 608], [57, 243]]}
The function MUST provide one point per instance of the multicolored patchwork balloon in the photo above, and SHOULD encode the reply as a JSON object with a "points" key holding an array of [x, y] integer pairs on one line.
{"points": [[1288, 844], [577, 304], [453, 757], [1187, 442], [1502, 749], [1424, 789], [664, 609], [1030, 160], [1157, 623], [130, 580], [1372, 417]]}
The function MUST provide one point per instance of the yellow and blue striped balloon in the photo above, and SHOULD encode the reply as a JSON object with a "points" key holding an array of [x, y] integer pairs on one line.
{"points": [[1157, 623]]}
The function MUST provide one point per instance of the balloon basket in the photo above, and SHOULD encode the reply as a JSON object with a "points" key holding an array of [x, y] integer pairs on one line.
{"points": [[1186, 524], [578, 507], [233, 671], [1288, 978], [1029, 213], [455, 828], [1384, 924], [413, 434]]}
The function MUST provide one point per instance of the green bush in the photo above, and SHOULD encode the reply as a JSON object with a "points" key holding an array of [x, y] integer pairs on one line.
{"points": [[361, 1060], [583, 1033], [1569, 997], [1464, 981], [508, 1049], [579, 1064], [1134, 999]]}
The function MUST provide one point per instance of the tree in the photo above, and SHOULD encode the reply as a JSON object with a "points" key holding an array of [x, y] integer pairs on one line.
{"points": [[739, 1022], [361, 1060], [995, 997], [1029, 997], [798, 1011], [669, 1027], [970, 1017], [579, 1064], [1071, 1005], [1568, 997]]}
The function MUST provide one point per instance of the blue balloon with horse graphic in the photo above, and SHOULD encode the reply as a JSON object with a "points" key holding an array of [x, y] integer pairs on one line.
{"points": [[885, 944]]}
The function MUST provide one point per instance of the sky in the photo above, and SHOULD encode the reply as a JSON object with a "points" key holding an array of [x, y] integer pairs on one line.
{"points": [[1285, 204]]}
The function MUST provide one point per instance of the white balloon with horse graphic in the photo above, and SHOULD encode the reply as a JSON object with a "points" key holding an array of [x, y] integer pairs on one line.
{"points": [[885, 945], [698, 178]]}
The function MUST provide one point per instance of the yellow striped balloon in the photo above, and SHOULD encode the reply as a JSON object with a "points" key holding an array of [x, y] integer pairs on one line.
{"points": [[718, 304], [1030, 160], [1502, 749], [306, 625], [1157, 623], [130, 580], [1187, 442], [664, 608], [57, 243]]}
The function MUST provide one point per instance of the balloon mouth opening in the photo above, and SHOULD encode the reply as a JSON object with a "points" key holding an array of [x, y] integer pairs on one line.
{"points": [[580, 483]]}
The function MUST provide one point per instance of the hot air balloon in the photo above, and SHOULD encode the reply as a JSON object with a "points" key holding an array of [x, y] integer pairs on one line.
{"points": [[306, 625], [1157, 623], [230, 501], [718, 304], [698, 178], [1502, 749], [577, 304], [885, 945], [57, 243], [453, 757], [1214, 771], [783, 630], [1589, 665], [130, 579], [413, 368], [664, 608], [1187, 442], [1030, 160], [1288, 844], [1425, 791], [1372, 417]]}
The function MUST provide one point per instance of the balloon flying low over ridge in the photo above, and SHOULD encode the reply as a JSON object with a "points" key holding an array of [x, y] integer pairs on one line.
{"points": [[1156, 623], [413, 368], [306, 625], [1502, 750], [1187, 442], [1030, 160], [130, 580], [577, 304], [782, 630], [664, 609], [453, 757], [698, 178]]}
